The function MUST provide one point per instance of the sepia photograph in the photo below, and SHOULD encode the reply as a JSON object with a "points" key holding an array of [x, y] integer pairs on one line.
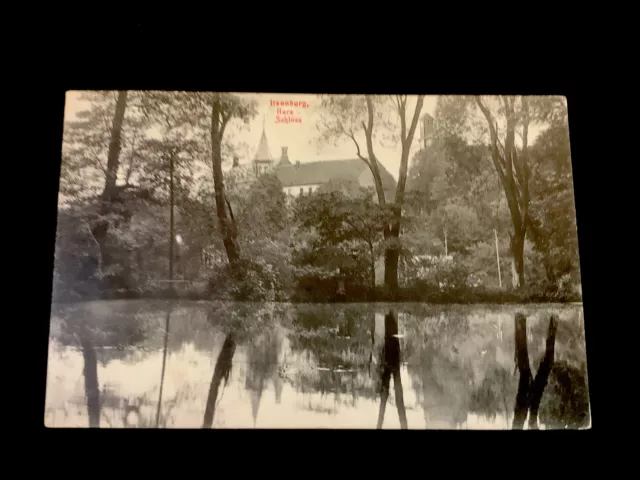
{"points": [[316, 261]]}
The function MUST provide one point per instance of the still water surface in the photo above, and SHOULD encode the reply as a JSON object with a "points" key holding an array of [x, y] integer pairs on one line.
{"points": [[306, 366]]}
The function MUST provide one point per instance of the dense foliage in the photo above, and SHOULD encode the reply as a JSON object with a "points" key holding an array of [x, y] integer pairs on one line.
{"points": [[241, 238]]}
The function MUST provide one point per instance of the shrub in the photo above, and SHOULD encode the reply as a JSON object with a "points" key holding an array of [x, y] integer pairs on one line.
{"points": [[249, 280]]}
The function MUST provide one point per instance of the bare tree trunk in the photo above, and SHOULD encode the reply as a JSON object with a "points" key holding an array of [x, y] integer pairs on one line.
{"points": [[115, 144], [227, 225], [517, 250], [101, 227], [513, 171], [391, 258], [392, 253], [392, 231]]}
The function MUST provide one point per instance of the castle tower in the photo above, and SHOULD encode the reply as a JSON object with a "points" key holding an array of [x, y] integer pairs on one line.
{"points": [[262, 161], [426, 130]]}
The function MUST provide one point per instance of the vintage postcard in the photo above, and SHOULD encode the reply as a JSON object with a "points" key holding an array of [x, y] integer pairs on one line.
{"points": [[257, 260]]}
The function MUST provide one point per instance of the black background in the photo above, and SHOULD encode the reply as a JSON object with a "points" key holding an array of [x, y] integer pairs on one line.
{"points": [[226, 53]]}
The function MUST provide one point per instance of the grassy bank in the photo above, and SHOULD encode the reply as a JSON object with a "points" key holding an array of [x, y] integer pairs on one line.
{"points": [[380, 294]]}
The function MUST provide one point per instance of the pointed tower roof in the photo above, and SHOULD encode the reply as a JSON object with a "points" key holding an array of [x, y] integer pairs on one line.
{"points": [[263, 152]]}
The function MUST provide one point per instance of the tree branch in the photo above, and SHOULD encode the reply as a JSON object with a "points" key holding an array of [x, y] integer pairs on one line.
{"points": [[506, 176], [505, 102], [416, 116], [403, 121], [494, 139], [351, 135], [509, 143], [100, 275], [132, 161], [223, 124], [406, 139], [525, 149], [229, 206], [368, 129], [98, 161]]}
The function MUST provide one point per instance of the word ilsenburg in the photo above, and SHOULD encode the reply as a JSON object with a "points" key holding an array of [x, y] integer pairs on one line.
{"points": [[288, 103], [287, 115]]}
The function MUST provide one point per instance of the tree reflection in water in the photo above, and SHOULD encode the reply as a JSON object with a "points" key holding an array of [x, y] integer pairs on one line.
{"points": [[390, 365], [334, 348], [91, 388], [221, 371], [252, 324], [164, 364], [573, 408], [530, 389], [101, 340], [460, 367]]}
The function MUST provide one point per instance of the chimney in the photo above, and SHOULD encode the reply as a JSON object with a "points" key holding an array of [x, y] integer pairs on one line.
{"points": [[284, 157], [297, 163], [236, 162]]}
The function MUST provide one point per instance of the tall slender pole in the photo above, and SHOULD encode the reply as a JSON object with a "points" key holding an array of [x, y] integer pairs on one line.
{"points": [[446, 249], [495, 233], [171, 220], [166, 333]]}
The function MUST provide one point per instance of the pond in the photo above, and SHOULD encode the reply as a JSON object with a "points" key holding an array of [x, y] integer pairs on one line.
{"points": [[188, 364]]}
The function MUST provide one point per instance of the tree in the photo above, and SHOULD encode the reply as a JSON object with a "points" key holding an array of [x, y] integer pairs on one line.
{"points": [[207, 116], [553, 226], [210, 113], [97, 141], [427, 185], [263, 211], [115, 143], [513, 170], [95, 135], [507, 120], [117, 155], [348, 229], [224, 107], [348, 116], [453, 193]]}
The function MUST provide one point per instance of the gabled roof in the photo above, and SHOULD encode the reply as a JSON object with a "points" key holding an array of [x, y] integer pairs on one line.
{"points": [[324, 171], [263, 152]]}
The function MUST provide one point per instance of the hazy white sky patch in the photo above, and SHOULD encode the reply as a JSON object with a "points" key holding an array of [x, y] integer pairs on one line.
{"points": [[300, 138]]}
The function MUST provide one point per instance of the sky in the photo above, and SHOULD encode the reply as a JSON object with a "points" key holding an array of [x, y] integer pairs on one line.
{"points": [[300, 138]]}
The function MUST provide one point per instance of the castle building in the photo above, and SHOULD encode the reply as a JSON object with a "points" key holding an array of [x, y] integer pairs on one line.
{"points": [[303, 178]]}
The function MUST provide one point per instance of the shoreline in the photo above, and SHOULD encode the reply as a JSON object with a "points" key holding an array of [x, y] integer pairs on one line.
{"points": [[244, 302]]}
